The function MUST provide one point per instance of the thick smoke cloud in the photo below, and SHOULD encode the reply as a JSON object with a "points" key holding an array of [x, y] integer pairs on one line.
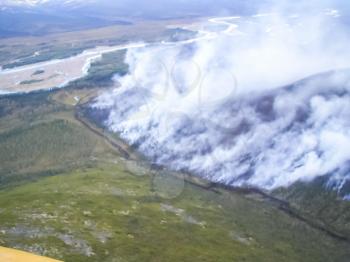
{"points": [[224, 106]]}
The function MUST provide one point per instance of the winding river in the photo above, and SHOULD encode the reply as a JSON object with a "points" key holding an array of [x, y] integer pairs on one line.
{"points": [[59, 72]]}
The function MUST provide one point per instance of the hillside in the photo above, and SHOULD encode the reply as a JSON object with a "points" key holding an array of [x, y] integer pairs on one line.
{"points": [[85, 199]]}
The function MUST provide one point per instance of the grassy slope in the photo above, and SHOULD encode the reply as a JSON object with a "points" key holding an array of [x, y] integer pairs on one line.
{"points": [[106, 213], [40, 137], [320, 204]]}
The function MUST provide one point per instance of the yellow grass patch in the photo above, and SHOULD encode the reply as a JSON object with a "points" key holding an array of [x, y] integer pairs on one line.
{"points": [[12, 255]]}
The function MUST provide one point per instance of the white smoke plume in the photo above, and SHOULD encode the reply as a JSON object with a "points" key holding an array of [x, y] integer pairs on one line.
{"points": [[224, 106]]}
